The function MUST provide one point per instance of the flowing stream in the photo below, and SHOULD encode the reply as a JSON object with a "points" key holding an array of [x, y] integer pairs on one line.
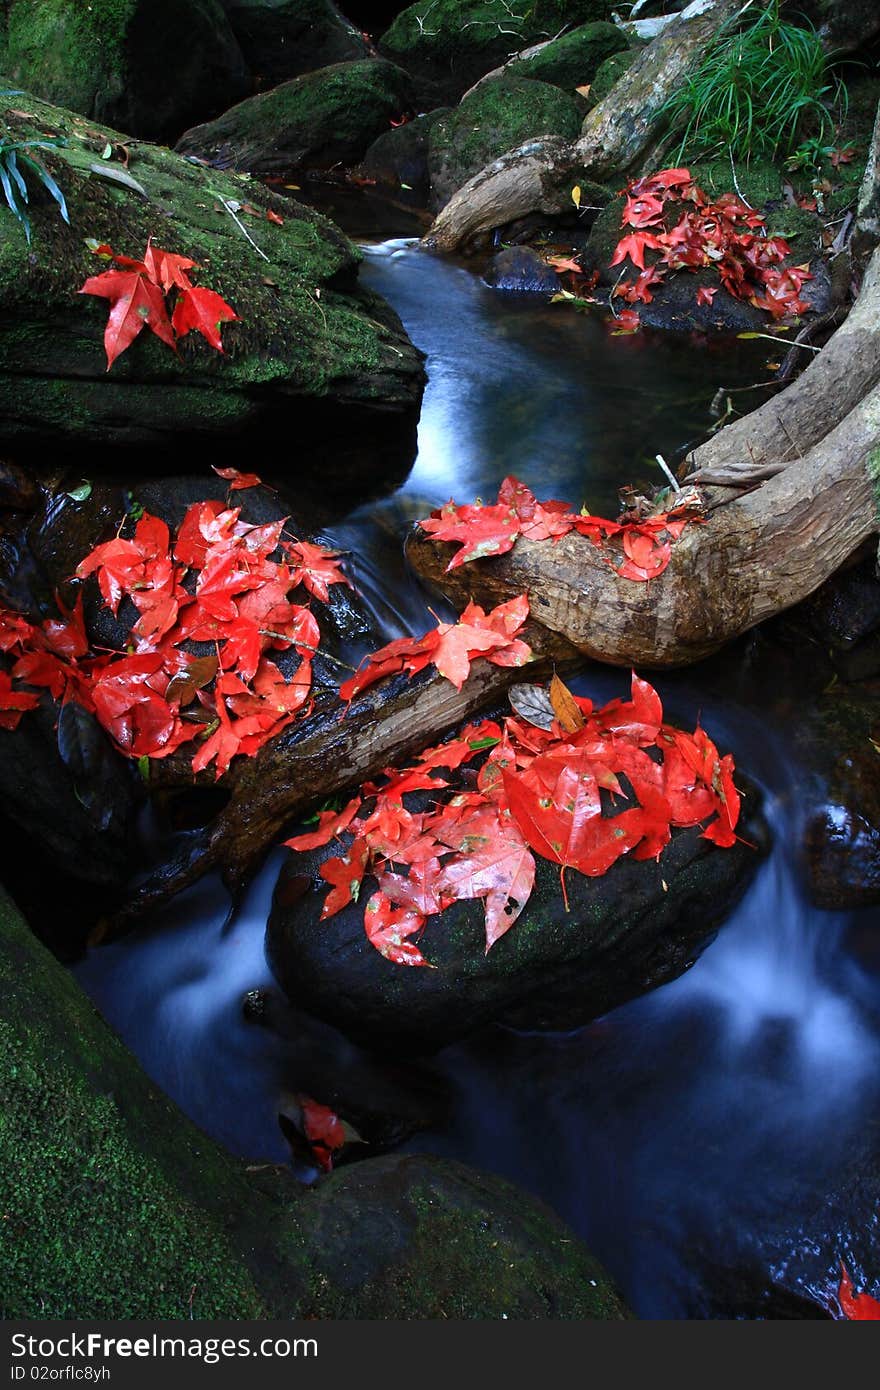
{"points": [[672, 1131]]}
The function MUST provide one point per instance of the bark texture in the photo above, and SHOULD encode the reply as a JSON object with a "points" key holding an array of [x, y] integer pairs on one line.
{"points": [[537, 176]]}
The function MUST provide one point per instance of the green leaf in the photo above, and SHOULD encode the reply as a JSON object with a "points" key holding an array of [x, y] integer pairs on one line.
{"points": [[81, 493]]}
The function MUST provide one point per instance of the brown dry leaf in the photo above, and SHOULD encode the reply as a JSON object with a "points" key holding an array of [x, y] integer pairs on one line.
{"points": [[584, 91], [567, 712], [532, 703]]}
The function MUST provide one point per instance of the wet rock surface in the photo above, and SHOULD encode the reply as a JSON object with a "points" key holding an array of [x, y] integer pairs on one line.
{"points": [[166, 1209], [632, 929]]}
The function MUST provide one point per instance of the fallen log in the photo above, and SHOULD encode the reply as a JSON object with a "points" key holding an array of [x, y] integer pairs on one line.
{"points": [[617, 134], [753, 557]]}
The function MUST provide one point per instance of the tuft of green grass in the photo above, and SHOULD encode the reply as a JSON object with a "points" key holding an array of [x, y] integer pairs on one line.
{"points": [[760, 82]]}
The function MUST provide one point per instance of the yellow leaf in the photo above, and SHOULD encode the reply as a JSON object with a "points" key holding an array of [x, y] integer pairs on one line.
{"points": [[576, 195], [585, 90], [564, 706]]}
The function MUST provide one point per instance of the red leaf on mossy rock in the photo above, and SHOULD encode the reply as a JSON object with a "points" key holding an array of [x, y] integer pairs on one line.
{"points": [[203, 310], [323, 1129], [135, 303]]}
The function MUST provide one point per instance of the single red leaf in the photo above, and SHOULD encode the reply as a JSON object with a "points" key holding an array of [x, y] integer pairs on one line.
{"points": [[237, 481], [389, 929], [203, 310], [858, 1307], [135, 303]]}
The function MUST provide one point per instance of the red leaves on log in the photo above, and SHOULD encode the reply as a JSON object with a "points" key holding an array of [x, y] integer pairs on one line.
{"points": [[494, 529], [451, 647], [553, 791]]}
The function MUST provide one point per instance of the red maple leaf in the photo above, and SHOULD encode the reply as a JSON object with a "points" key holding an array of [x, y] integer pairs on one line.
{"points": [[634, 246], [203, 310], [390, 928], [135, 303], [238, 481], [323, 1129], [315, 567], [858, 1307]]}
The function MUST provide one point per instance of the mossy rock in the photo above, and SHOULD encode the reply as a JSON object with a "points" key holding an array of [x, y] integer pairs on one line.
{"points": [[326, 117], [609, 73], [499, 115], [628, 931], [310, 338], [574, 59], [448, 45], [151, 67], [113, 1205], [281, 39]]}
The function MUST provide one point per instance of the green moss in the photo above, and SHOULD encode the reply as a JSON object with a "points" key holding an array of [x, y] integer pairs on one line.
{"points": [[574, 59], [324, 118], [760, 181], [610, 72], [70, 52], [306, 327], [499, 115], [113, 1205]]}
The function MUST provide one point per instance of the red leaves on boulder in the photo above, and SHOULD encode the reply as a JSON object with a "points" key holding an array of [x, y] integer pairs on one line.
{"points": [[220, 581], [857, 1307], [451, 647], [726, 234], [237, 481], [553, 791], [138, 299], [646, 541]]}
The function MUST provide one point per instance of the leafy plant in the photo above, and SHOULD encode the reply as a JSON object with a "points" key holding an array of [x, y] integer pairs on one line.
{"points": [[16, 167], [759, 81]]}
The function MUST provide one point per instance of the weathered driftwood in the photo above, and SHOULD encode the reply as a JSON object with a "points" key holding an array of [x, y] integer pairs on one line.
{"points": [[537, 176], [815, 448], [337, 747], [786, 427]]}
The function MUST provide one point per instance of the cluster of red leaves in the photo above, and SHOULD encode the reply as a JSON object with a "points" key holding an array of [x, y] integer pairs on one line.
{"points": [[493, 529], [857, 1307], [550, 791], [451, 647], [155, 293], [726, 234], [218, 582]]}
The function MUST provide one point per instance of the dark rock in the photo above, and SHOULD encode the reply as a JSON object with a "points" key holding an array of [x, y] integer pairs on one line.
{"points": [[122, 1206], [448, 45], [150, 67], [327, 117], [842, 838], [520, 268], [496, 117], [846, 608], [629, 931], [281, 39], [399, 158], [310, 340]]}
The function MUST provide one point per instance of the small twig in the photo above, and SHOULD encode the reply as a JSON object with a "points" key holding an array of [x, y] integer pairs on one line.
{"points": [[739, 192], [669, 473], [238, 222]]}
